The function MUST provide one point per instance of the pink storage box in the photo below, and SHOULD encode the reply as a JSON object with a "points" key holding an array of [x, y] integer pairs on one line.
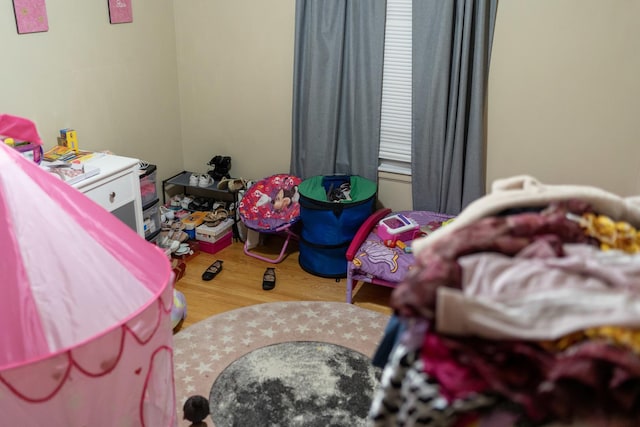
{"points": [[222, 242], [148, 190]]}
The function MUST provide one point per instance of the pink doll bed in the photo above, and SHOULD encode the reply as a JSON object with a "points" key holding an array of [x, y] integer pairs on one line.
{"points": [[371, 261]]}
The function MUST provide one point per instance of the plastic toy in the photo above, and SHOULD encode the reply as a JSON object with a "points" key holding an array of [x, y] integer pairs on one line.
{"points": [[397, 227], [390, 243], [21, 134], [71, 138], [402, 245], [179, 309]]}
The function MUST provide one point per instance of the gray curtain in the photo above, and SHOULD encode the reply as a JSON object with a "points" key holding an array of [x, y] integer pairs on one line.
{"points": [[337, 87], [451, 50]]}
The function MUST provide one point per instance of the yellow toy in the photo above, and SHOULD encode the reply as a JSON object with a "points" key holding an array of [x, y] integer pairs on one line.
{"points": [[72, 140]]}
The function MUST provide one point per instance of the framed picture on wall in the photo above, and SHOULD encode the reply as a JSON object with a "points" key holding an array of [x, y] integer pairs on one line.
{"points": [[31, 16], [120, 11]]}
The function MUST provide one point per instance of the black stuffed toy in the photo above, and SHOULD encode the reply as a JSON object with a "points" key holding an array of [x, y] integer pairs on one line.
{"points": [[196, 409], [220, 167]]}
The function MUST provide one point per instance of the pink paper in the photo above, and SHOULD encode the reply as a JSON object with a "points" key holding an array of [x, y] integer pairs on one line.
{"points": [[120, 11], [31, 16]]}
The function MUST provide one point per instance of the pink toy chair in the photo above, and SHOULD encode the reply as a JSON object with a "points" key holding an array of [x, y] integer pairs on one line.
{"points": [[271, 206]]}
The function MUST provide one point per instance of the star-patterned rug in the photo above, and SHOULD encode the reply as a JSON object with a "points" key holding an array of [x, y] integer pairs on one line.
{"points": [[242, 358]]}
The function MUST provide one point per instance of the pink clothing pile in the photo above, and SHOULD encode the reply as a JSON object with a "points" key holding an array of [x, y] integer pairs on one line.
{"points": [[523, 305]]}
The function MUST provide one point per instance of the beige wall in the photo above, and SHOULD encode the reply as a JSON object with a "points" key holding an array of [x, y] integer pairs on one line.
{"points": [[564, 93], [115, 84], [564, 96], [235, 61], [215, 77]]}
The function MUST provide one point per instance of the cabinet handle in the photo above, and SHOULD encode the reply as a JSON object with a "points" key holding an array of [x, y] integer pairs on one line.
{"points": [[112, 196]]}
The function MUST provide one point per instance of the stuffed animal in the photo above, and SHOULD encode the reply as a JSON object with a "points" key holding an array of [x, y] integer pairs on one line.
{"points": [[220, 167]]}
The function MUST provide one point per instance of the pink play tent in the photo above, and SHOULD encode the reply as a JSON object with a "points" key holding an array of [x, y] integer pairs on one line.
{"points": [[85, 309]]}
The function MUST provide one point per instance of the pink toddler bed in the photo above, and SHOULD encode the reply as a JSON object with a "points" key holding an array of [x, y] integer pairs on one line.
{"points": [[371, 261]]}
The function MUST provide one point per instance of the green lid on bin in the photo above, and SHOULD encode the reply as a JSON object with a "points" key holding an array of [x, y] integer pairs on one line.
{"points": [[317, 187]]}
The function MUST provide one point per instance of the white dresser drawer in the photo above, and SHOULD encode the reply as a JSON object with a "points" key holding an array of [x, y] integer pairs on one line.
{"points": [[114, 193], [116, 188]]}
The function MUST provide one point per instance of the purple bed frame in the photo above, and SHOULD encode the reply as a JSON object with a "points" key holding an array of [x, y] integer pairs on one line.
{"points": [[370, 260]]}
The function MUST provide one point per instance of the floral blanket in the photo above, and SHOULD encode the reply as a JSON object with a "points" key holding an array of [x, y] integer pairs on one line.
{"points": [[376, 260]]}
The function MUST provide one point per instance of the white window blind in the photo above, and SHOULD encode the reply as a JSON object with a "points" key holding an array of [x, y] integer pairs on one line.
{"points": [[395, 124]]}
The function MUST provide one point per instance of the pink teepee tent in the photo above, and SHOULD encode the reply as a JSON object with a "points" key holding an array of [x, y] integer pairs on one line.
{"points": [[85, 309]]}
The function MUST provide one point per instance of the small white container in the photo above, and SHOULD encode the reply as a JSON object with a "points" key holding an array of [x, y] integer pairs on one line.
{"points": [[212, 234]]}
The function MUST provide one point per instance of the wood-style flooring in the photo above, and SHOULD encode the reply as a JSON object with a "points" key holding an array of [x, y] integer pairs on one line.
{"points": [[239, 283]]}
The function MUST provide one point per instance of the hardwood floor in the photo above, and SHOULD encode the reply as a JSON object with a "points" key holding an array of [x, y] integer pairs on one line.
{"points": [[239, 283]]}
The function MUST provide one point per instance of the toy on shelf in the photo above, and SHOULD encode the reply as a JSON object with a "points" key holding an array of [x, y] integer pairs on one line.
{"points": [[69, 138]]}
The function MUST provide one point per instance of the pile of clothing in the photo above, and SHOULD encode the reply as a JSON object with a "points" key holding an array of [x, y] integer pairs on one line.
{"points": [[524, 310]]}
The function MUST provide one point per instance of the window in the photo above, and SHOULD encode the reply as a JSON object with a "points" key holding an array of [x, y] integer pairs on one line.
{"points": [[395, 121]]}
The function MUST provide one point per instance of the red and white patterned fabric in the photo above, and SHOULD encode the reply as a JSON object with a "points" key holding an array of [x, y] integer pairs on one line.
{"points": [[271, 203]]}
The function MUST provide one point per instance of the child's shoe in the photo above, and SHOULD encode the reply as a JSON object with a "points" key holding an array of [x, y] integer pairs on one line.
{"points": [[205, 180]]}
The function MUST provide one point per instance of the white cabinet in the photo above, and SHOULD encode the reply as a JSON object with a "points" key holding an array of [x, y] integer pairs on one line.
{"points": [[116, 188]]}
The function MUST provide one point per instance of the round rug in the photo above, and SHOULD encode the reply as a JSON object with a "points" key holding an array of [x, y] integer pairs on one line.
{"points": [[204, 350], [297, 384]]}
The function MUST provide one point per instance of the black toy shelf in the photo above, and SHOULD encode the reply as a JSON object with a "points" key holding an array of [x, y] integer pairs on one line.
{"points": [[212, 191]]}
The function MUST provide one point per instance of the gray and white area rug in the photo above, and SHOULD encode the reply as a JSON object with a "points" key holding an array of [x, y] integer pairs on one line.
{"points": [[281, 364]]}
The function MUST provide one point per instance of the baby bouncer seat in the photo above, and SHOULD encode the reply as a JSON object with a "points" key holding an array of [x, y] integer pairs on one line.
{"points": [[271, 206]]}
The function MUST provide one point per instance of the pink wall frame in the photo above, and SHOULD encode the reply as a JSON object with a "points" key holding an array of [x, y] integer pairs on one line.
{"points": [[31, 16], [120, 11]]}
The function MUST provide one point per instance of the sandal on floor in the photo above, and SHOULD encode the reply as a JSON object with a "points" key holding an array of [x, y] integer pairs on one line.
{"points": [[269, 279], [212, 271]]}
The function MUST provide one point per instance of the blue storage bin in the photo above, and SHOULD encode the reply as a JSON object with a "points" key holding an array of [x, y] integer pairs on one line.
{"points": [[323, 260], [329, 226]]}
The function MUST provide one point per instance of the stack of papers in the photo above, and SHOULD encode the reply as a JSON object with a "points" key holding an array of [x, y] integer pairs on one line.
{"points": [[69, 172]]}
